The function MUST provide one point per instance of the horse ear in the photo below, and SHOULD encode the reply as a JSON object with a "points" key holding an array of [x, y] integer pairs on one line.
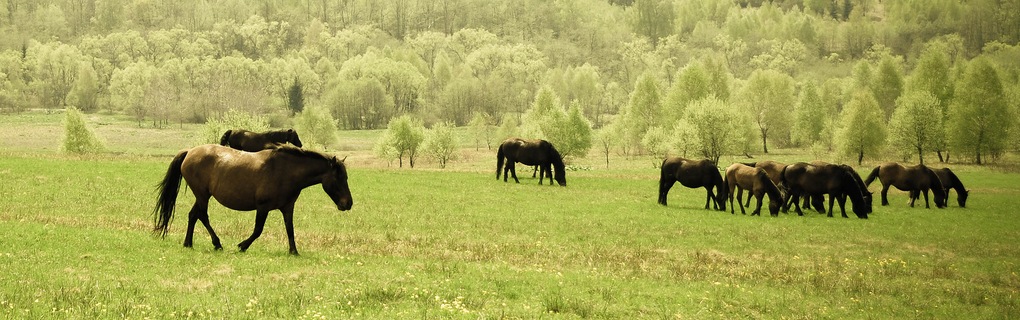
{"points": [[344, 159]]}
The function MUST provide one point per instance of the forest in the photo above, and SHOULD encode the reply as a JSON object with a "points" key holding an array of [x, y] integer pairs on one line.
{"points": [[910, 79]]}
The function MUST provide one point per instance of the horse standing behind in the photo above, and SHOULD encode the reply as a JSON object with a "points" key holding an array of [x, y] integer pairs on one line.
{"points": [[241, 139], [811, 180], [756, 181], [244, 181], [915, 179], [693, 174], [539, 153], [951, 181], [773, 169]]}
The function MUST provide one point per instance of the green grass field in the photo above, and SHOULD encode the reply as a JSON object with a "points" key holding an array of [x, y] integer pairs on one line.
{"points": [[455, 243]]}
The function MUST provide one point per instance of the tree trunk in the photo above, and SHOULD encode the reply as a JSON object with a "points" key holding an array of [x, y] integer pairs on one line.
{"points": [[860, 157], [940, 156], [764, 142], [920, 155]]}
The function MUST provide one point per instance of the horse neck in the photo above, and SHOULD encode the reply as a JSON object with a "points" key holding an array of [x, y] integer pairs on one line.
{"points": [[306, 170], [770, 188], [853, 189], [954, 182]]}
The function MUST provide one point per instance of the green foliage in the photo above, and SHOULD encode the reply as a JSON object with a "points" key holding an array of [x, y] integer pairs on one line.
{"points": [[979, 117], [716, 128], [809, 116], [888, 84], [403, 137], [441, 144], [653, 19], [85, 91], [481, 130], [316, 126], [213, 129], [572, 136], [861, 127], [296, 97], [768, 98], [78, 137], [916, 124], [642, 112]]}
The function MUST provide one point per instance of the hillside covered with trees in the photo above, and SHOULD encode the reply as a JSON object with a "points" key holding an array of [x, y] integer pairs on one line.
{"points": [[909, 79]]}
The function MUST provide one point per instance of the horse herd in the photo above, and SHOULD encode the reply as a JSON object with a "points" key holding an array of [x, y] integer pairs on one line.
{"points": [[267, 171]]}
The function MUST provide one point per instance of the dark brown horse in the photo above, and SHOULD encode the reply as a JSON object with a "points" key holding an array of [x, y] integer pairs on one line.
{"points": [[811, 180], [261, 181], [951, 181], [241, 139], [915, 179], [539, 153], [757, 182], [693, 174]]}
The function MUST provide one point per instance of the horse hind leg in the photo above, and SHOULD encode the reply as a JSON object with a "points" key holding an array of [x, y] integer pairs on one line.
{"points": [[260, 222]]}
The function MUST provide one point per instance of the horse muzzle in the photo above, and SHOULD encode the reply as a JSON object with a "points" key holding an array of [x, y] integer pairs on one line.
{"points": [[345, 204]]}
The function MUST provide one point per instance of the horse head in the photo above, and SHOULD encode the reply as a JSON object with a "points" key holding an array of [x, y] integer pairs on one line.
{"points": [[292, 137], [335, 184], [961, 198]]}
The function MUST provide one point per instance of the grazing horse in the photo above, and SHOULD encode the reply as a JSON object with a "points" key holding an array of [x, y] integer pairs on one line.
{"points": [[951, 181], [918, 178], [262, 181], [539, 153], [811, 180], [772, 168], [241, 139], [757, 182], [693, 174]]}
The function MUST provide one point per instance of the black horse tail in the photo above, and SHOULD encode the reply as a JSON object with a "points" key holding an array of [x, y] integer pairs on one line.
{"points": [[499, 160], [168, 188], [872, 176], [225, 140]]}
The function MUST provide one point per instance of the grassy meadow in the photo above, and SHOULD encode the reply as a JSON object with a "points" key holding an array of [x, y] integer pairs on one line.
{"points": [[430, 243]]}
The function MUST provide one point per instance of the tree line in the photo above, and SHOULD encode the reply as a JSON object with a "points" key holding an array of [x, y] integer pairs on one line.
{"points": [[703, 78]]}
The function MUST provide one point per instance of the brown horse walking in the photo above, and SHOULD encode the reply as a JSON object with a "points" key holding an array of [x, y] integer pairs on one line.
{"points": [[756, 181], [539, 153], [915, 179], [241, 139], [693, 174], [261, 181], [811, 180]]}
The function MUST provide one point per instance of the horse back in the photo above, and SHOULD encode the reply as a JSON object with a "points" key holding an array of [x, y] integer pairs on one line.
{"points": [[224, 172]]}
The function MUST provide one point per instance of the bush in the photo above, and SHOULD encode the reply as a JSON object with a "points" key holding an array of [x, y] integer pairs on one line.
{"points": [[78, 138]]}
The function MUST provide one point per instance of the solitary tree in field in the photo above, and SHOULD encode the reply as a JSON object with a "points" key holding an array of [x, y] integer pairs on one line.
{"points": [[403, 137], [78, 138], [481, 129], [440, 143], [642, 112], [979, 118], [862, 129], [887, 84], [915, 124], [572, 135]]}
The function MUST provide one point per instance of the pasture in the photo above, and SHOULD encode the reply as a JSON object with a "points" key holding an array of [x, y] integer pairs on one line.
{"points": [[456, 243]]}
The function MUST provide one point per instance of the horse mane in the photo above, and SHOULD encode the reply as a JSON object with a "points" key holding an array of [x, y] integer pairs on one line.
{"points": [[854, 190], [302, 153]]}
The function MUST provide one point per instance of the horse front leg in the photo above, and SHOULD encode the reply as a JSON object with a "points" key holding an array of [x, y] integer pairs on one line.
{"points": [[926, 206], [842, 206], [260, 221], [740, 200], [288, 222]]}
